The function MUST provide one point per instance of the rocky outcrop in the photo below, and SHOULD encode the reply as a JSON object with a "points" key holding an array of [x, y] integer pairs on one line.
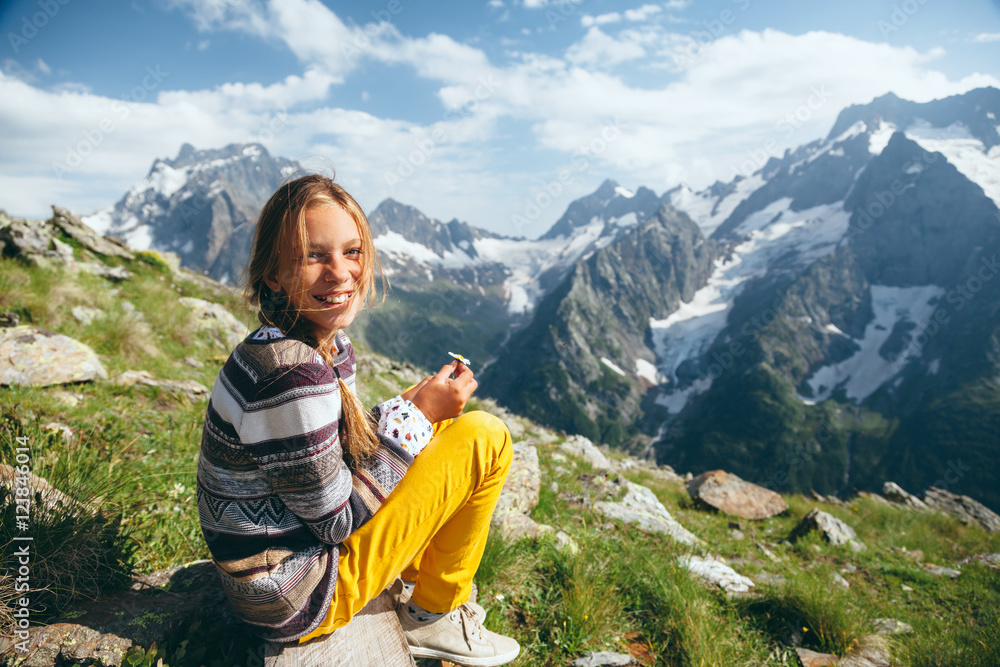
{"points": [[891, 626], [809, 658], [213, 319], [43, 494], [166, 605], [963, 508], [715, 571], [519, 496], [31, 355], [605, 659], [640, 506], [989, 560], [868, 651], [731, 495], [188, 388], [73, 227], [581, 447], [835, 531], [895, 493]]}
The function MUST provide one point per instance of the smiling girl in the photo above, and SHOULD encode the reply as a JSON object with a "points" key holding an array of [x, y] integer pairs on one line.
{"points": [[310, 506]]}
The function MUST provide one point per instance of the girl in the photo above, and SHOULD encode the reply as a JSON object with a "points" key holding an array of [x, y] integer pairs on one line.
{"points": [[309, 506]]}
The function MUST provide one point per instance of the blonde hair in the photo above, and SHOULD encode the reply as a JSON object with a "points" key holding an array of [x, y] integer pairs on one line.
{"points": [[280, 236]]}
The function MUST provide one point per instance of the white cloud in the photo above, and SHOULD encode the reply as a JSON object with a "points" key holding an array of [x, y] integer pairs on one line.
{"points": [[43, 66], [987, 37], [598, 49], [611, 17], [642, 13], [676, 5]]}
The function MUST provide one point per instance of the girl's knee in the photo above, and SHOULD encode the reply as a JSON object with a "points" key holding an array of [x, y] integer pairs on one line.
{"points": [[487, 429]]}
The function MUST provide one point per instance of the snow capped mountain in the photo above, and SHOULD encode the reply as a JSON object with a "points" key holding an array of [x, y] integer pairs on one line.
{"points": [[792, 212], [202, 205], [531, 267]]}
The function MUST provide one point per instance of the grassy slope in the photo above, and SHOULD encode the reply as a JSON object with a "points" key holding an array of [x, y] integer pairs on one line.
{"points": [[622, 590]]}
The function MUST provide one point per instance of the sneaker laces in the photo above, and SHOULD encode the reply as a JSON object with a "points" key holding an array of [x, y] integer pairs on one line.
{"points": [[471, 627]]}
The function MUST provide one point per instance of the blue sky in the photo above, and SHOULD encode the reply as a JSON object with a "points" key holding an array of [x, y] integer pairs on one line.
{"points": [[464, 109]]}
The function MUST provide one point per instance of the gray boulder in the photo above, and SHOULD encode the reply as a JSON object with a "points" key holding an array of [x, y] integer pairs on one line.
{"points": [[215, 320], [809, 658], [891, 626], [581, 447], [642, 508], [605, 659], [31, 355], [895, 493], [989, 560], [835, 531], [963, 508], [73, 227], [519, 496], [188, 388], [85, 314], [715, 571]]}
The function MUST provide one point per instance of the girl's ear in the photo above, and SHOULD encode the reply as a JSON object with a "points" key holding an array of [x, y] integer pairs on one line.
{"points": [[272, 282]]}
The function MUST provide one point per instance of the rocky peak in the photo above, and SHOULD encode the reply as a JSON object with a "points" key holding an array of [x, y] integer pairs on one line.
{"points": [[409, 222], [977, 110], [202, 205], [608, 202]]}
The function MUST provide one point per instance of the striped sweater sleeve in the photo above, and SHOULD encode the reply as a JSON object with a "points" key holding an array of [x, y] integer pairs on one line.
{"points": [[291, 431]]}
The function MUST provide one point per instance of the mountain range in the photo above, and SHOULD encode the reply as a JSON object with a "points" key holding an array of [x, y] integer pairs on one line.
{"points": [[828, 321]]}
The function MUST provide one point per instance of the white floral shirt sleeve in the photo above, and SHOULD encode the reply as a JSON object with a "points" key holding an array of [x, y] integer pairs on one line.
{"points": [[403, 423]]}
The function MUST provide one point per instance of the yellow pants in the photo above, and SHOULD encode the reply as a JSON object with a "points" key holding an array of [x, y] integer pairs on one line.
{"points": [[432, 528]]}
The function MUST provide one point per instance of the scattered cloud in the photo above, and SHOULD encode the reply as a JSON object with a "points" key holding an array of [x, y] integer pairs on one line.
{"points": [[642, 13], [611, 17], [600, 50], [701, 117], [987, 37]]}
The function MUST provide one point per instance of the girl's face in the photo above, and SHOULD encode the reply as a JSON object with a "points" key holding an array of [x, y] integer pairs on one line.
{"points": [[327, 287]]}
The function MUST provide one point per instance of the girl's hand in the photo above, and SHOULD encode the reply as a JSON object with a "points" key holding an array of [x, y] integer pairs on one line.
{"points": [[442, 397]]}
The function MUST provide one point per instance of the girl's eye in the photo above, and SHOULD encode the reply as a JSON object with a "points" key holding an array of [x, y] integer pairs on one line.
{"points": [[354, 252]]}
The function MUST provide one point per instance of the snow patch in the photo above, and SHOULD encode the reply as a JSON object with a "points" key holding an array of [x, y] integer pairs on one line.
{"points": [[708, 211], [100, 221], [612, 365], [166, 180], [627, 220], [879, 139], [963, 151], [866, 370], [139, 238], [647, 371], [624, 192], [834, 329], [772, 232], [859, 127]]}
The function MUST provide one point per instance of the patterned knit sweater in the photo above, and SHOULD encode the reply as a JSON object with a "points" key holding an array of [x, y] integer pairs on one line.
{"points": [[275, 496]]}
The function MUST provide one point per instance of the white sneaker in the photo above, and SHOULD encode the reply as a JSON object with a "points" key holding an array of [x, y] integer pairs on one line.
{"points": [[400, 596], [458, 637]]}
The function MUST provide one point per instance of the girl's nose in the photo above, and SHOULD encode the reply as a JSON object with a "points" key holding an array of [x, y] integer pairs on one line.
{"points": [[339, 269]]}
